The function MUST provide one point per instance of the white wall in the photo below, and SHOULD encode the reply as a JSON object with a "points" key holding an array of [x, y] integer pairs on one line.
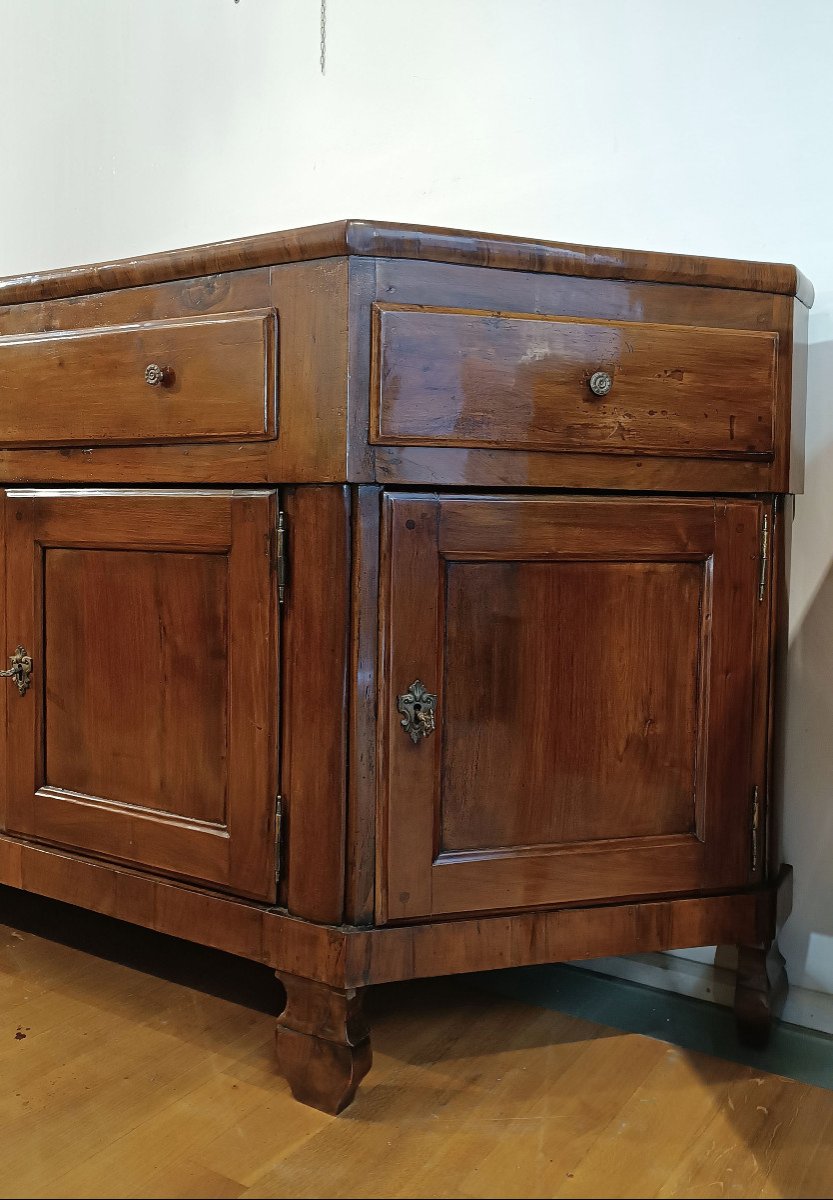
{"points": [[129, 126]]}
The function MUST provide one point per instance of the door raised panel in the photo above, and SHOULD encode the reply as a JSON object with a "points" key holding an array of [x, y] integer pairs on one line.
{"points": [[145, 720], [592, 664], [599, 671], [149, 732]]}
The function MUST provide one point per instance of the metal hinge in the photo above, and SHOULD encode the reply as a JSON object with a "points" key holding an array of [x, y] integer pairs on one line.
{"points": [[764, 557], [280, 555], [755, 830], [278, 836]]}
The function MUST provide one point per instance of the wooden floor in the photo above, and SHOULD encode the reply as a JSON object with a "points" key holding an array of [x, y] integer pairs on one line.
{"points": [[119, 1082]]}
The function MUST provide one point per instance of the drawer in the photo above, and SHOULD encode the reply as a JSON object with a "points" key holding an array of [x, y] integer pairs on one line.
{"points": [[458, 377], [209, 378]]}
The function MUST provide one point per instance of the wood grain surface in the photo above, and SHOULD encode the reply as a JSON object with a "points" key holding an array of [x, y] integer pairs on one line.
{"points": [[390, 240], [592, 762], [523, 382], [124, 1082], [149, 734], [219, 382]]}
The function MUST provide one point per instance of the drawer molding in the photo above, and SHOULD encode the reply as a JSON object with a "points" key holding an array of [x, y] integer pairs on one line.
{"points": [[456, 377], [210, 378]]}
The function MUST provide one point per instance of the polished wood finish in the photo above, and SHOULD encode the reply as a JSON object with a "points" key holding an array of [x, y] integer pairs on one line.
{"points": [[350, 957], [327, 430], [323, 1043], [360, 882], [471, 1094], [520, 381], [314, 683], [639, 598], [129, 715], [390, 240], [218, 382], [565, 934], [311, 301], [149, 732], [513, 307], [594, 588]]}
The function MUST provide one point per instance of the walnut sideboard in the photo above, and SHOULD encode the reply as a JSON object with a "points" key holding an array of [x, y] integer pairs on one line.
{"points": [[384, 602]]}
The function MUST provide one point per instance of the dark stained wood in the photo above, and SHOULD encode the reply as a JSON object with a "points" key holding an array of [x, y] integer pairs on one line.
{"points": [[608, 676], [614, 756], [362, 781], [457, 286], [638, 445], [323, 1042], [362, 282], [560, 258], [71, 387], [520, 381], [760, 990], [311, 301], [352, 958], [238, 291], [607, 668], [149, 733], [390, 240], [312, 304], [141, 899], [765, 685], [103, 736], [315, 699], [443, 466], [560, 935], [410, 620], [101, 466], [324, 309]]}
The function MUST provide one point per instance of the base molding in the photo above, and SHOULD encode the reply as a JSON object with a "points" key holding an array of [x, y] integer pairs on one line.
{"points": [[348, 957]]}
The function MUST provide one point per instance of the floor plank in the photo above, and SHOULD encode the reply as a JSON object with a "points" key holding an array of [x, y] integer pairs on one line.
{"points": [[136, 1067]]}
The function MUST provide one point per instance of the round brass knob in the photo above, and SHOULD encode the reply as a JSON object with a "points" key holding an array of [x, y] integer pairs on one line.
{"points": [[156, 376], [600, 383]]}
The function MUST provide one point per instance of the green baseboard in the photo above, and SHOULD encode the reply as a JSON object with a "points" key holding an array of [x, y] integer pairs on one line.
{"points": [[795, 1052]]}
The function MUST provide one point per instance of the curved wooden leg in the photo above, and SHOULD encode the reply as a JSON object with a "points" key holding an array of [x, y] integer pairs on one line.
{"points": [[760, 989], [323, 1042]]}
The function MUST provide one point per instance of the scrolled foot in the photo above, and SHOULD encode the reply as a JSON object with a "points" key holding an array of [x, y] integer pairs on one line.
{"points": [[760, 989], [323, 1042]]}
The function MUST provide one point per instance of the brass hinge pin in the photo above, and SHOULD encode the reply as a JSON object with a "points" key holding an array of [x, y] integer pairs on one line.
{"points": [[764, 558], [756, 827], [280, 555]]}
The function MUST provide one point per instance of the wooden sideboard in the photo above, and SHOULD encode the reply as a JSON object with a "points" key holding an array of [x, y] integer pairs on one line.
{"points": [[384, 602]]}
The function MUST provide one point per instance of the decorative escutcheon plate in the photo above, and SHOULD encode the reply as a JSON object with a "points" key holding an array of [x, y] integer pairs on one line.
{"points": [[417, 706]]}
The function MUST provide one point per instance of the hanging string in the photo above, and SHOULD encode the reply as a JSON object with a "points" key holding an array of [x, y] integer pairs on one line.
{"points": [[323, 56]]}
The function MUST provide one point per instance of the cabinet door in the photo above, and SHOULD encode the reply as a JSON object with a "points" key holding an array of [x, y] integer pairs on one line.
{"points": [[593, 664], [149, 731]]}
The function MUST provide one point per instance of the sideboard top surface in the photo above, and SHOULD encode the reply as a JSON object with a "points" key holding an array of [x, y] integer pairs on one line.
{"points": [[390, 240]]}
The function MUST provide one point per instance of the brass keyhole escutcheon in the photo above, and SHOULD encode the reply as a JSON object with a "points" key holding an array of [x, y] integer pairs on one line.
{"points": [[417, 707], [20, 670]]}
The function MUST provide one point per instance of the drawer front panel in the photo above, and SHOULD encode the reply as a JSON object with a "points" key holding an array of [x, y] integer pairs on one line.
{"points": [[210, 378], [454, 377]]}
